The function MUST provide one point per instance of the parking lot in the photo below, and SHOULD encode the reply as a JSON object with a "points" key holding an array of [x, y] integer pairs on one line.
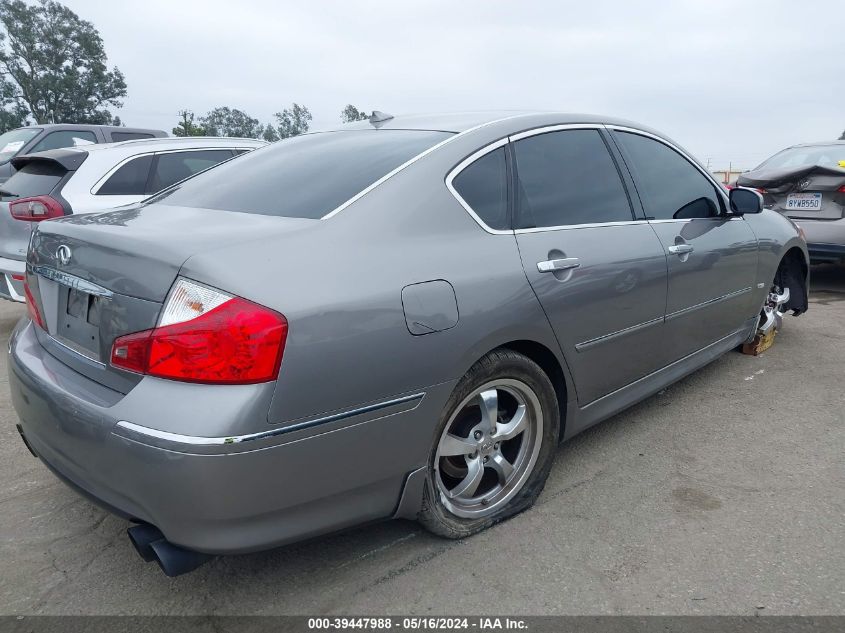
{"points": [[724, 494]]}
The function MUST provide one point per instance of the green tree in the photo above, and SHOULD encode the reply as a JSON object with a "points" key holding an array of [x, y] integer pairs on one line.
{"points": [[186, 126], [293, 121], [56, 64], [270, 134], [12, 113], [226, 121], [351, 113], [842, 138]]}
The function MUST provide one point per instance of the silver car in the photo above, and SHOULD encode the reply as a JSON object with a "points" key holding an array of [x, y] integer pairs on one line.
{"points": [[90, 178], [399, 318], [807, 183]]}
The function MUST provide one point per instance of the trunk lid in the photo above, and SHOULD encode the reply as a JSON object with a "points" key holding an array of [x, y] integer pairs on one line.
{"points": [[120, 268], [809, 192]]}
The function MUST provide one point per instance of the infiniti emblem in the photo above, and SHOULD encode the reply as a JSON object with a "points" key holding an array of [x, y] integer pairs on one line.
{"points": [[63, 254]]}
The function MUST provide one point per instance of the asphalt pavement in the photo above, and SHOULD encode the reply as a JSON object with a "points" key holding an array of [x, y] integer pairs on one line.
{"points": [[723, 494]]}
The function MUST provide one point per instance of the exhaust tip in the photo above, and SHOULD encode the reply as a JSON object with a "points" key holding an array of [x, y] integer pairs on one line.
{"points": [[142, 535], [175, 560]]}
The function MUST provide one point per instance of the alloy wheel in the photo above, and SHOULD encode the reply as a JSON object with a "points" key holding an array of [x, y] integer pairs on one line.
{"points": [[488, 448]]}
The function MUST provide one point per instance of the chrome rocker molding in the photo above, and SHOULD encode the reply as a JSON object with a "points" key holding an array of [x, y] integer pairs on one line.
{"points": [[708, 303], [193, 444]]}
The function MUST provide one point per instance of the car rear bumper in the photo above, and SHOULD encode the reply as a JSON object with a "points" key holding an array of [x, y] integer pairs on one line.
{"points": [[218, 494], [825, 239], [11, 279]]}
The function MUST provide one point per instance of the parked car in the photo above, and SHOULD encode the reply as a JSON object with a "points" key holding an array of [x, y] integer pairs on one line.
{"points": [[395, 319], [807, 184], [39, 138], [68, 181]]}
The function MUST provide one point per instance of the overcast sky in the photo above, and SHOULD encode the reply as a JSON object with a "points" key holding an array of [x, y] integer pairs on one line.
{"points": [[731, 81]]}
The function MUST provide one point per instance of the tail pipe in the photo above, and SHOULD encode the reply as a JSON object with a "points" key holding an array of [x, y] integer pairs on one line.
{"points": [[151, 545]]}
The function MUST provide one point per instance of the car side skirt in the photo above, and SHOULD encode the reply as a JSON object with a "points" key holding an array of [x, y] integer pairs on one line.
{"points": [[629, 395]]}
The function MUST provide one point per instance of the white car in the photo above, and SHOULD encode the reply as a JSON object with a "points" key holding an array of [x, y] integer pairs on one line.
{"points": [[85, 179]]}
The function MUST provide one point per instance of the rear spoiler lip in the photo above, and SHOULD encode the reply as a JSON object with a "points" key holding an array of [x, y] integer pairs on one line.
{"points": [[70, 160]]}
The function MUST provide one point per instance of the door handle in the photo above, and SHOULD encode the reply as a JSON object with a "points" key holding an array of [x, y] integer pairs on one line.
{"points": [[553, 265], [680, 249]]}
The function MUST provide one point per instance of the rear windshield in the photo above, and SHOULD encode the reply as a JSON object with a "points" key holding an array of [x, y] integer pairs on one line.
{"points": [[13, 141], [303, 177], [797, 157], [34, 179]]}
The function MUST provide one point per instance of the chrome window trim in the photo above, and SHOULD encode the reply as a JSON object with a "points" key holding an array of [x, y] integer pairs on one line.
{"points": [[720, 218], [410, 162], [510, 139], [586, 225], [690, 159], [591, 225], [99, 184], [456, 171], [554, 128], [199, 441]]}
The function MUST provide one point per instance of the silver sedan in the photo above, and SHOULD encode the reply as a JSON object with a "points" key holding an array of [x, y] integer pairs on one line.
{"points": [[399, 318]]}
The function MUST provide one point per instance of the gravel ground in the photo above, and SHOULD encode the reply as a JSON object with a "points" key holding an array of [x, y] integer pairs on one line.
{"points": [[724, 494]]}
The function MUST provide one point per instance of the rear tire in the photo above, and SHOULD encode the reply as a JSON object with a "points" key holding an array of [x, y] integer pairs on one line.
{"points": [[494, 446]]}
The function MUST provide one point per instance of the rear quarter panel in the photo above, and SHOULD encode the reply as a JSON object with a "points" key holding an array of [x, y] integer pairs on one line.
{"points": [[339, 283]]}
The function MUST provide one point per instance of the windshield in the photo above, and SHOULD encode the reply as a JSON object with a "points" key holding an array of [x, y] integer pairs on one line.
{"points": [[13, 141], [797, 157], [306, 176]]}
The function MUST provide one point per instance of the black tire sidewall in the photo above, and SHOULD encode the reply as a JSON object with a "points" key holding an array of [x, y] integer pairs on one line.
{"points": [[497, 365]]}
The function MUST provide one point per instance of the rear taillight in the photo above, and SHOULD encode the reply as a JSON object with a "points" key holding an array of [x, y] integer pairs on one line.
{"points": [[36, 209], [841, 189], [207, 336], [32, 307]]}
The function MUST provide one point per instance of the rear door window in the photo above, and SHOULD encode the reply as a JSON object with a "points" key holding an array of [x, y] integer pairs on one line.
{"points": [[173, 167], [130, 179], [37, 178], [64, 138], [670, 186], [568, 178], [306, 176], [483, 186]]}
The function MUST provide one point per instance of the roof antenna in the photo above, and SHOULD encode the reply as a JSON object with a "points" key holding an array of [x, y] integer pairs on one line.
{"points": [[379, 117]]}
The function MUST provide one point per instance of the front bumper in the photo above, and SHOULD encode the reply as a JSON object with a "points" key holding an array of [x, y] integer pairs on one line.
{"points": [[218, 497], [11, 279]]}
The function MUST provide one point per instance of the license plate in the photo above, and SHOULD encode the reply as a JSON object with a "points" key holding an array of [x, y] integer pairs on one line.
{"points": [[804, 202]]}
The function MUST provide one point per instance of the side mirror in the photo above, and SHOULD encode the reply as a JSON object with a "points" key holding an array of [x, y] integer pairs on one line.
{"points": [[745, 201]]}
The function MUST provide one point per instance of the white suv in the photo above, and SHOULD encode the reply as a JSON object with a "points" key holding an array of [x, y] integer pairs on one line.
{"points": [[93, 178]]}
